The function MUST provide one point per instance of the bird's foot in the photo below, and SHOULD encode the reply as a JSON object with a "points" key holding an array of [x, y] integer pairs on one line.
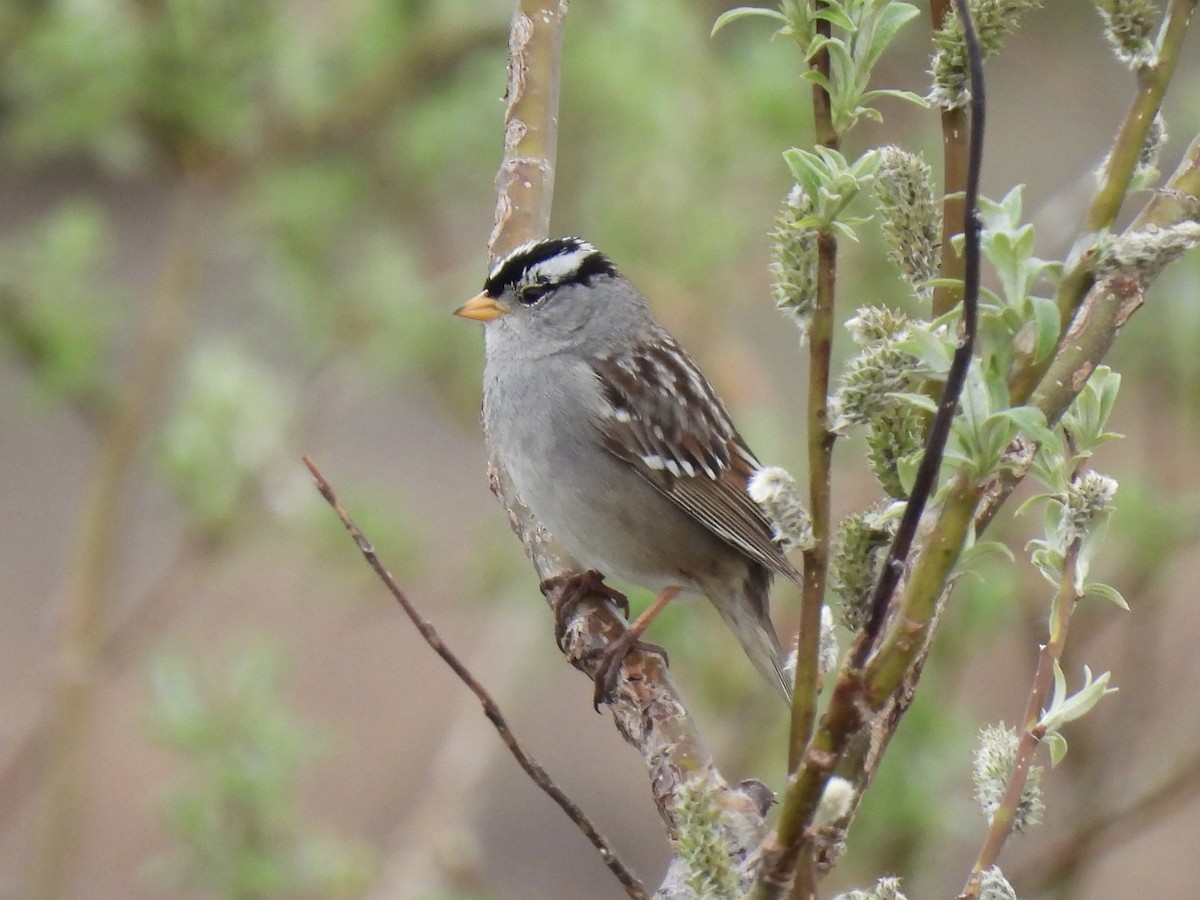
{"points": [[609, 668], [566, 591]]}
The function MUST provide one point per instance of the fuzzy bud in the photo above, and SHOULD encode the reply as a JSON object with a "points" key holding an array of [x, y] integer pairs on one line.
{"points": [[909, 215], [794, 268], [886, 888], [858, 552], [1086, 502], [776, 492], [1129, 26], [827, 659], [994, 761], [881, 368], [994, 21], [702, 846], [835, 803], [876, 324], [895, 437], [994, 886]]}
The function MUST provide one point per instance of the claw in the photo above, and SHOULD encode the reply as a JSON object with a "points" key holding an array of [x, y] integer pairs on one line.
{"points": [[609, 668], [569, 590]]}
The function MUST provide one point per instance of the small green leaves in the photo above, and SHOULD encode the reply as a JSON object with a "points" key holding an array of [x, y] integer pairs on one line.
{"points": [[1065, 708], [861, 32], [867, 27], [748, 12], [56, 312], [233, 817], [229, 426], [1008, 245], [830, 183]]}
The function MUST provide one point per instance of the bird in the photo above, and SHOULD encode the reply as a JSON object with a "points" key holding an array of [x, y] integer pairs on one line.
{"points": [[621, 448]]}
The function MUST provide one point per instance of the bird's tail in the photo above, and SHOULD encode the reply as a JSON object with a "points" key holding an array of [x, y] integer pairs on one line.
{"points": [[758, 639]]}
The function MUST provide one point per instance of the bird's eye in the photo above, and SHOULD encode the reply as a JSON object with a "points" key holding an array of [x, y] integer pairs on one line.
{"points": [[532, 293]]}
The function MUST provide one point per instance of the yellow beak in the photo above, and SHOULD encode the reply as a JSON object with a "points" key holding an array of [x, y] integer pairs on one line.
{"points": [[481, 308]]}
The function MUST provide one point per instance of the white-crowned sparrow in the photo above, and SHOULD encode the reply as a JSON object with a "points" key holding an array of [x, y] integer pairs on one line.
{"points": [[619, 445]]}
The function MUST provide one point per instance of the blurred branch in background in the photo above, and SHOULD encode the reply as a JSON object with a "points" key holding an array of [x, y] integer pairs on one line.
{"points": [[236, 815], [97, 548]]}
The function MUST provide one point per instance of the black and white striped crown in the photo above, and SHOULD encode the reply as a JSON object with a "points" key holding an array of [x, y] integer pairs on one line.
{"points": [[552, 263]]}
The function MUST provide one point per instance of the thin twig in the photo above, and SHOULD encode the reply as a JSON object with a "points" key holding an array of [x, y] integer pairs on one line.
{"points": [[1005, 815], [633, 887], [820, 462]]}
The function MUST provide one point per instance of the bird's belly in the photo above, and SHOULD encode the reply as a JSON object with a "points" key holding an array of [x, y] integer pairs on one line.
{"points": [[610, 519]]}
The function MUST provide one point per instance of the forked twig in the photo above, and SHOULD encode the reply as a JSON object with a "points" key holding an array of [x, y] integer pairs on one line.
{"points": [[633, 887]]}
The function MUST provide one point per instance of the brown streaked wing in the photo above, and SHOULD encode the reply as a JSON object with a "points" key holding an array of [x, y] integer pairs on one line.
{"points": [[687, 449]]}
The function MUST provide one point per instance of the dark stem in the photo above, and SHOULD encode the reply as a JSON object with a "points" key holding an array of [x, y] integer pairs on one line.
{"points": [[939, 431], [955, 156]]}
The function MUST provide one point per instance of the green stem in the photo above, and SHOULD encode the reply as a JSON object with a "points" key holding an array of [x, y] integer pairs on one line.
{"points": [[859, 693], [820, 463], [909, 631], [1152, 81]]}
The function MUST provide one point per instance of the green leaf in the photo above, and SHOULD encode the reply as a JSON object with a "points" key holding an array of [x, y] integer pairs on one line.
{"points": [[1046, 324], [1030, 420], [1057, 745], [835, 16], [981, 550], [930, 348], [1106, 592], [745, 12], [920, 401], [1063, 708], [907, 96]]}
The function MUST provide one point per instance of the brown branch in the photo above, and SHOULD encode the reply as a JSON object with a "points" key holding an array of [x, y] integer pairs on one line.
{"points": [[633, 887], [646, 708], [820, 462]]}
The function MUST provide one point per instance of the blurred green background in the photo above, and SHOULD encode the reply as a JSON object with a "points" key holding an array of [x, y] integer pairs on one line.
{"points": [[232, 233]]}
